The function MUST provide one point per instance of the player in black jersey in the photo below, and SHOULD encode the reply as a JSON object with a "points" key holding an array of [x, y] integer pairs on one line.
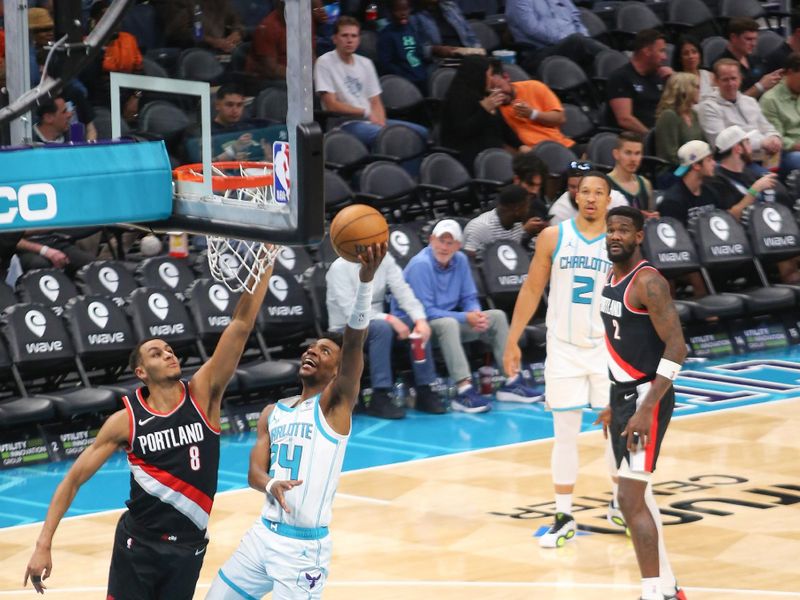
{"points": [[170, 430], [646, 348]]}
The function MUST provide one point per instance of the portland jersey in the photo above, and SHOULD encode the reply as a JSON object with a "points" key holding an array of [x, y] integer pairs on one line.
{"points": [[634, 346], [305, 447], [577, 277], [174, 459]]}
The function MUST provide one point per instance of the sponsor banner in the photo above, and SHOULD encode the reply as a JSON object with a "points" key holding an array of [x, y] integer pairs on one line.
{"points": [[69, 440], [761, 336], [711, 345], [62, 186], [23, 448]]}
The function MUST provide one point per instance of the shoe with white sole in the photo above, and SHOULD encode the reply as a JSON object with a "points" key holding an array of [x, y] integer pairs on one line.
{"points": [[562, 530]]}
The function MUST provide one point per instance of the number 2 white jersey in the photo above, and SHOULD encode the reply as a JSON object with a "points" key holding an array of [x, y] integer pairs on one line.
{"points": [[577, 278], [305, 447]]}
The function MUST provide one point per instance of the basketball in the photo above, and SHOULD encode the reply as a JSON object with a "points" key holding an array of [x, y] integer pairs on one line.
{"points": [[357, 225]]}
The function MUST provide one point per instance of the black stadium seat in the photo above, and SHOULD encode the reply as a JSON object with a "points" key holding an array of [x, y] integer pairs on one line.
{"points": [[774, 235], [7, 296], [44, 360], [404, 244], [165, 272], [156, 312], [16, 410], [49, 287], [504, 265], [107, 277], [294, 261]]}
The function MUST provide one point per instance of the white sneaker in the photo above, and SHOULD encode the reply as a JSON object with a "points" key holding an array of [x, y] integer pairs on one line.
{"points": [[562, 530], [615, 516]]}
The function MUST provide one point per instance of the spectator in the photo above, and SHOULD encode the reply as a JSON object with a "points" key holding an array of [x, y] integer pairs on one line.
{"points": [[551, 27], [781, 108], [46, 249], [443, 30], [529, 173], [742, 39], [342, 282], [400, 51], [739, 185], [41, 29], [267, 56], [52, 122], [638, 190], [691, 196], [348, 85], [566, 207], [687, 57], [531, 109], [221, 29], [676, 120], [441, 278], [507, 221], [777, 58], [471, 121], [728, 106], [229, 106], [635, 89]]}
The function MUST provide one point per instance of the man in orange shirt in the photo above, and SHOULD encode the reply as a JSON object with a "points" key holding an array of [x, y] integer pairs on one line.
{"points": [[531, 109]]}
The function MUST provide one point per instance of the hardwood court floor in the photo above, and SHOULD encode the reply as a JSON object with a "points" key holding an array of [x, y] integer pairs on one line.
{"points": [[461, 526]]}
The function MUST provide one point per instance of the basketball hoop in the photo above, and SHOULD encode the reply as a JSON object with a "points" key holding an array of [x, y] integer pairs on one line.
{"points": [[238, 264]]}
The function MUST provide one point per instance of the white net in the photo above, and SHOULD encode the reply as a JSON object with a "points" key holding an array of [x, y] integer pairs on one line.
{"points": [[240, 264]]}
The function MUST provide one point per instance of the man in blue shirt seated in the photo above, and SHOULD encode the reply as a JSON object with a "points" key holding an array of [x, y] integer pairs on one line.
{"points": [[441, 278], [551, 27]]}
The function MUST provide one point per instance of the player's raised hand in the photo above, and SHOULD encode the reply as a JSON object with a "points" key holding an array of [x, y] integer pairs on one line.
{"points": [[278, 490], [38, 569], [370, 258]]}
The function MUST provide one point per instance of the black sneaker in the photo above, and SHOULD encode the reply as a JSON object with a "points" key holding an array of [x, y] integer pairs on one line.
{"points": [[382, 406], [429, 401]]}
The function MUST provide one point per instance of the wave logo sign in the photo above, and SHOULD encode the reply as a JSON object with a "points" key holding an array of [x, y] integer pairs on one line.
{"points": [[666, 234], [281, 186], [35, 202]]}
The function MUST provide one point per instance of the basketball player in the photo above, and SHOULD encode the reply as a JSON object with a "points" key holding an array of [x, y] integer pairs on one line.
{"points": [[170, 431], [646, 350], [301, 444], [570, 257]]}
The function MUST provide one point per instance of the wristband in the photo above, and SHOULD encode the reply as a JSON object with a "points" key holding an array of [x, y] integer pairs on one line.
{"points": [[534, 114], [270, 484], [667, 368], [752, 192], [43, 250], [759, 87], [359, 317]]}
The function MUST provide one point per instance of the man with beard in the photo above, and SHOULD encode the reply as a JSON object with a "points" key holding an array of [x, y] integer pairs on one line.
{"points": [[301, 441], [571, 257], [646, 350], [170, 430]]}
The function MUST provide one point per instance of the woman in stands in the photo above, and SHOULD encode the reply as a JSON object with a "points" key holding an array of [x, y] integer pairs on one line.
{"points": [[676, 122], [471, 121], [688, 58]]}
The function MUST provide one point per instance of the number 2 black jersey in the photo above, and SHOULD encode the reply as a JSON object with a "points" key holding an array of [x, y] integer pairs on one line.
{"points": [[634, 347], [174, 460]]}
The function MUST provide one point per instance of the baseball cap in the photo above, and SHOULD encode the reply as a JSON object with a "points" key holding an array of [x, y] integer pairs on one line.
{"points": [[730, 136], [447, 226], [690, 153]]}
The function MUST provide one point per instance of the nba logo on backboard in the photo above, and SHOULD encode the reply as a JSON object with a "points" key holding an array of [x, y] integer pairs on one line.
{"points": [[280, 172]]}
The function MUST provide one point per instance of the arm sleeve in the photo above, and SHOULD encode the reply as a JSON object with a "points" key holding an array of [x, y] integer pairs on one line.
{"points": [[473, 236], [618, 85], [765, 125], [668, 136], [323, 77], [372, 85], [469, 294], [403, 293], [421, 281], [710, 119], [340, 295], [545, 98]]}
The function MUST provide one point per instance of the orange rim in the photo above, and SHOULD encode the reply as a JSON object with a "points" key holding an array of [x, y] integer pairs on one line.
{"points": [[194, 174]]}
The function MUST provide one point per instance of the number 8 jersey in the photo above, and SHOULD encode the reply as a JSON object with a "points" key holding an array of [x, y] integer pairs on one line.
{"points": [[577, 277], [305, 447]]}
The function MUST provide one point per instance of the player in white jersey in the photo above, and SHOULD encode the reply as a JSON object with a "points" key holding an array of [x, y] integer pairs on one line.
{"points": [[296, 460], [572, 258]]}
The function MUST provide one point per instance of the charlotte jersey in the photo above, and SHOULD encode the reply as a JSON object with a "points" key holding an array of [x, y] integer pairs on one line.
{"points": [[303, 446], [634, 346], [174, 459], [576, 282]]}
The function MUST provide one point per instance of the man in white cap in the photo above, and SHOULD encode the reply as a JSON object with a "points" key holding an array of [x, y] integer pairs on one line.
{"points": [[737, 184], [690, 196], [441, 278]]}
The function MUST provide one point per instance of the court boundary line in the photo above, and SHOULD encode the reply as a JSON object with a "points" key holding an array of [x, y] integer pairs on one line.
{"points": [[429, 583], [430, 459]]}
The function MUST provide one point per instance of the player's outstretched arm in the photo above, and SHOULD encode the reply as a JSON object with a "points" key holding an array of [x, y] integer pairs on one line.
{"points": [[113, 434], [212, 378], [651, 291], [343, 390], [260, 457], [529, 297]]}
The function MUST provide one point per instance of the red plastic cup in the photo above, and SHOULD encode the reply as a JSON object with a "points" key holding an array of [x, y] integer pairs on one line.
{"points": [[417, 347]]}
